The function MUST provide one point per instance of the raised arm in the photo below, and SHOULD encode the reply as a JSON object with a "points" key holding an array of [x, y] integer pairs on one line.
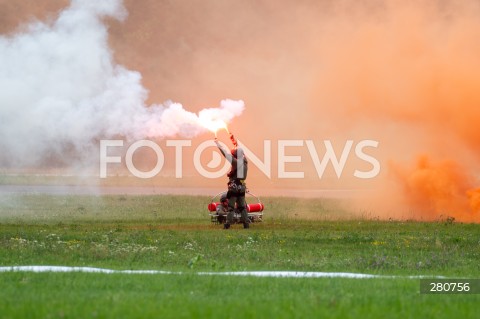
{"points": [[225, 153]]}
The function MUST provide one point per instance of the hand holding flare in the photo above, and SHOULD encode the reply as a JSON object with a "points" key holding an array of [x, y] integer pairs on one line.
{"points": [[233, 139]]}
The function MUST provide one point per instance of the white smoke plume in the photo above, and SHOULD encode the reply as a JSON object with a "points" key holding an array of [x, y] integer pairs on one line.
{"points": [[61, 91]]}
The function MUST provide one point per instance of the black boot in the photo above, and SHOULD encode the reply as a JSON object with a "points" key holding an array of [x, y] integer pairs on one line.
{"points": [[246, 225], [226, 226]]}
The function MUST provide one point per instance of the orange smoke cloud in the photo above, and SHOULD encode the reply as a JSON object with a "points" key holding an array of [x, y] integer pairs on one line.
{"points": [[474, 198], [436, 189], [409, 72]]}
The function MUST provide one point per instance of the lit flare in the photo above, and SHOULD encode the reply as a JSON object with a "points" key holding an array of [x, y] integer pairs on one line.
{"points": [[215, 125]]}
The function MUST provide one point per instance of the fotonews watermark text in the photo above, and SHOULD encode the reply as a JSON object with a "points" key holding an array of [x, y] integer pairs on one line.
{"points": [[288, 152]]}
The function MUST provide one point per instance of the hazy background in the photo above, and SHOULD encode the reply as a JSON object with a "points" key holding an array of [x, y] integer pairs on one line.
{"points": [[403, 73]]}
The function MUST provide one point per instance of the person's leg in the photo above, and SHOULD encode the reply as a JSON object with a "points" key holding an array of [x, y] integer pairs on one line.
{"points": [[242, 207], [232, 198]]}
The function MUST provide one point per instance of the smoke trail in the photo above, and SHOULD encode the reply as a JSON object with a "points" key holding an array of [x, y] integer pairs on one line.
{"points": [[61, 90]]}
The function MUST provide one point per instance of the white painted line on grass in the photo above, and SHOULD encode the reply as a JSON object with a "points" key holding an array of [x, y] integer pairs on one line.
{"points": [[281, 274]]}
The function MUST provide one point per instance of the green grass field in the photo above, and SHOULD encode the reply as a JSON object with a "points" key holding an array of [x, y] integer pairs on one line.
{"points": [[174, 233]]}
